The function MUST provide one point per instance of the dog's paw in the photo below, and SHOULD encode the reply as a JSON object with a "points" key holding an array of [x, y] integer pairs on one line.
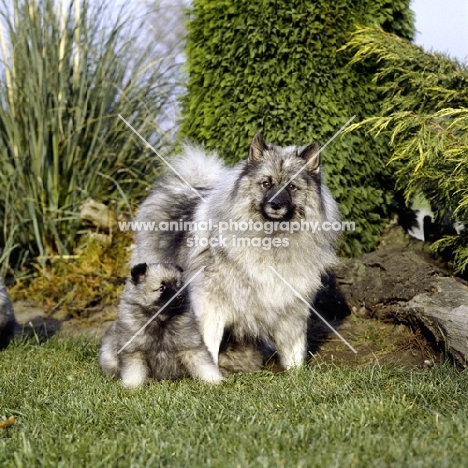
{"points": [[216, 380], [211, 375], [132, 385], [133, 377]]}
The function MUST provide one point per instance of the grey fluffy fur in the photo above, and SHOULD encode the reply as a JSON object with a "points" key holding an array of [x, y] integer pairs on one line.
{"points": [[170, 346], [7, 317], [237, 289]]}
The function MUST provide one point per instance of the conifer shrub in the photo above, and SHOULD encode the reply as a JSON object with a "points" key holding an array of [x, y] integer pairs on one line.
{"points": [[277, 67], [424, 114]]}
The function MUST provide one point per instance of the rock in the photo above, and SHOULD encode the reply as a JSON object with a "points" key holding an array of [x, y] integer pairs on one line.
{"points": [[99, 215], [444, 312], [28, 320], [7, 317], [403, 285], [103, 239], [376, 282]]}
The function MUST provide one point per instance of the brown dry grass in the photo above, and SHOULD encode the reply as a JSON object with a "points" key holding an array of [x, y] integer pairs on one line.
{"points": [[83, 284]]}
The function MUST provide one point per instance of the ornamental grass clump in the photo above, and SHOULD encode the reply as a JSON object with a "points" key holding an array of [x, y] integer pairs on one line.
{"points": [[68, 69]]}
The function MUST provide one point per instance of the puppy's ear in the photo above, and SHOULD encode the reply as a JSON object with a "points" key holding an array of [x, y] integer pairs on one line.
{"points": [[257, 147], [138, 272], [311, 154]]}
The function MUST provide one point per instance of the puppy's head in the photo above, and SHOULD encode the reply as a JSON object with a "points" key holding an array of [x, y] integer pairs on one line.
{"points": [[158, 284]]}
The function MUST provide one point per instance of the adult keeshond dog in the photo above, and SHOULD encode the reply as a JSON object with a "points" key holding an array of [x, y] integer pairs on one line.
{"points": [[170, 346], [250, 238]]}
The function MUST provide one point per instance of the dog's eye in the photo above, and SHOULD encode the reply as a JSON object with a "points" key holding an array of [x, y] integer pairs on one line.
{"points": [[162, 288], [292, 187], [266, 184]]}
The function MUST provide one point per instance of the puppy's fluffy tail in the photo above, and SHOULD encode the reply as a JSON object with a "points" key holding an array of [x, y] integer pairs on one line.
{"points": [[108, 354], [199, 169]]}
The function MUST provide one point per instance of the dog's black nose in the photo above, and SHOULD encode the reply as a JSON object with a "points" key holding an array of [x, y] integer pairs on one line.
{"points": [[276, 205]]}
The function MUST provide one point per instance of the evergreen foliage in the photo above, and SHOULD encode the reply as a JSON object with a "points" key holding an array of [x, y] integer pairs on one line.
{"points": [[425, 114], [276, 67]]}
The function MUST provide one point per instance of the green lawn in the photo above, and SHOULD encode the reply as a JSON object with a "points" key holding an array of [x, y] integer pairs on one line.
{"points": [[69, 415]]}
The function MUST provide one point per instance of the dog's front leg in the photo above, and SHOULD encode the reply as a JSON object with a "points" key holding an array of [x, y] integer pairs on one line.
{"points": [[212, 329], [133, 369], [291, 343], [200, 365]]}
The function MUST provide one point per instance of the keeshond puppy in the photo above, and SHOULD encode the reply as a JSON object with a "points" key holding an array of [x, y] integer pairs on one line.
{"points": [[170, 346], [260, 269]]}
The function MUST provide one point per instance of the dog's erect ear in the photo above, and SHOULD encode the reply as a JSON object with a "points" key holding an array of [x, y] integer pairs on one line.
{"points": [[257, 148], [138, 272], [311, 155]]}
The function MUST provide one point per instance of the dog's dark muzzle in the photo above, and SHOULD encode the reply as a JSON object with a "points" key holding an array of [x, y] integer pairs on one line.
{"points": [[280, 207], [178, 301]]}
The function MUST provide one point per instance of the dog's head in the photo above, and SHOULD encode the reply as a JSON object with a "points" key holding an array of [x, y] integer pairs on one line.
{"points": [[157, 285], [286, 179]]}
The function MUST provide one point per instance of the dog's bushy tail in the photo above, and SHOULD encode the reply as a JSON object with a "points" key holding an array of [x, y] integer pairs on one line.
{"points": [[198, 168]]}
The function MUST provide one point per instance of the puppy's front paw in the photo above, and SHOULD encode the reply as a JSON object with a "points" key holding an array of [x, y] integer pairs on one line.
{"points": [[133, 377]]}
